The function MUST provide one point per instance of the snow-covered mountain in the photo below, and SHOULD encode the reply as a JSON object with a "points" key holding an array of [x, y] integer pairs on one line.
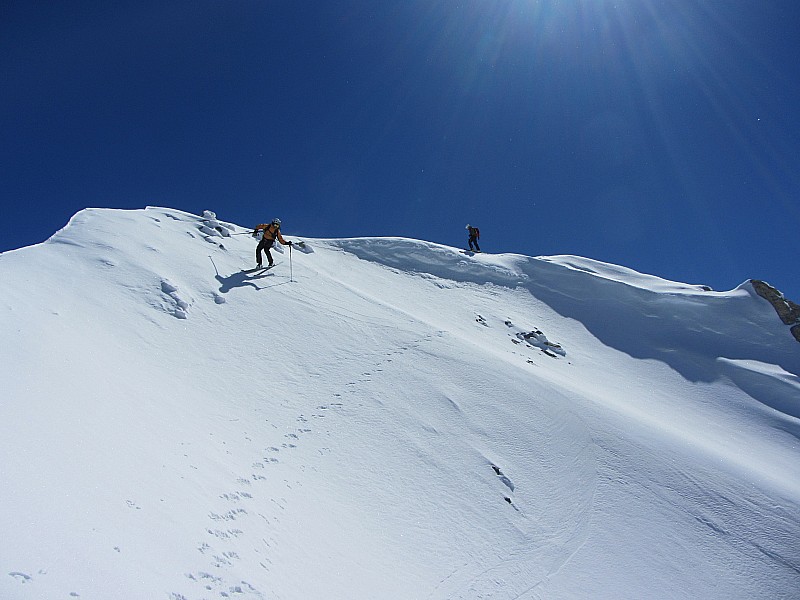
{"points": [[384, 418]]}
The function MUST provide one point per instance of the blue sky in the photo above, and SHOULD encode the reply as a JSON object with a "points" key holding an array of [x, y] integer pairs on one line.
{"points": [[662, 135]]}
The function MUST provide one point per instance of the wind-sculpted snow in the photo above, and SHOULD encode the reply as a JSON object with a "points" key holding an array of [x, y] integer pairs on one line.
{"points": [[688, 330], [684, 326], [426, 257], [768, 383], [389, 419]]}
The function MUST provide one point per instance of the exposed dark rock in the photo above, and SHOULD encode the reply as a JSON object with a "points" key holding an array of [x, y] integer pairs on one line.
{"points": [[788, 311]]}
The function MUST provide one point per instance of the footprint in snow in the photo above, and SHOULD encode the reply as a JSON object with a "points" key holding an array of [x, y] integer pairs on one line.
{"points": [[231, 515]]}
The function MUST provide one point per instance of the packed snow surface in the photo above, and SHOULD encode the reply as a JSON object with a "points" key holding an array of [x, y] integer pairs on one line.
{"points": [[384, 418]]}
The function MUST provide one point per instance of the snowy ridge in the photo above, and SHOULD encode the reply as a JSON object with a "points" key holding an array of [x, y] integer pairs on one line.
{"points": [[398, 420], [608, 290]]}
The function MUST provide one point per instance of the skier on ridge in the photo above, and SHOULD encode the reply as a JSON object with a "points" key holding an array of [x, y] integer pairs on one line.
{"points": [[474, 236], [271, 232]]}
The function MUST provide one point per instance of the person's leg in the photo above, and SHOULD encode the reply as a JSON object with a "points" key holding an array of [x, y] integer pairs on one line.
{"points": [[269, 254], [259, 248]]}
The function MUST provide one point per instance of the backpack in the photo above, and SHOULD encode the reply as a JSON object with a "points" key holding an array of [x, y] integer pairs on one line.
{"points": [[476, 232], [271, 231]]}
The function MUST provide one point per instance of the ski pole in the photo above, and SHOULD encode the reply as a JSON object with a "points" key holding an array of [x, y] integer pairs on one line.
{"points": [[290, 262]]}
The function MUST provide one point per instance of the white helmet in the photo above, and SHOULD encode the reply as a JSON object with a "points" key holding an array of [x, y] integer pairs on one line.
{"points": [[276, 221], [467, 227]]}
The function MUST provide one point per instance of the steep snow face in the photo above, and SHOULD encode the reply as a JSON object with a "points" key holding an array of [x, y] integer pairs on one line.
{"points": [[384, 418]]}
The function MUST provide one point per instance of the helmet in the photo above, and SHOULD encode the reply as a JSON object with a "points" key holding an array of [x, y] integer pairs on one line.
{"points": [[276, 221], [467, 227]]}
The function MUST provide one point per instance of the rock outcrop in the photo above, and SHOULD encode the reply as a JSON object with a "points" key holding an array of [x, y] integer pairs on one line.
{"points": [[788, 311]]}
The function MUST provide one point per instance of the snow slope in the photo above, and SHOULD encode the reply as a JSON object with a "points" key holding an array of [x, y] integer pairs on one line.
{"points": [[397, 421]]}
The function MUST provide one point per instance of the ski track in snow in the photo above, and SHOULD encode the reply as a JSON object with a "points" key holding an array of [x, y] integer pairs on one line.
{"points": [[244, 511], [546, 549], [235, 518]]}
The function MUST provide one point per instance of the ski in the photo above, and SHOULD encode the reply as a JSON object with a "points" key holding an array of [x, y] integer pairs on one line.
{"points": [[254, 269]]}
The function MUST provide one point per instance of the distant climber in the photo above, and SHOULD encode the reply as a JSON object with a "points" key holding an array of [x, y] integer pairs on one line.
{"points": [[272, 231], [474, 236]]}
